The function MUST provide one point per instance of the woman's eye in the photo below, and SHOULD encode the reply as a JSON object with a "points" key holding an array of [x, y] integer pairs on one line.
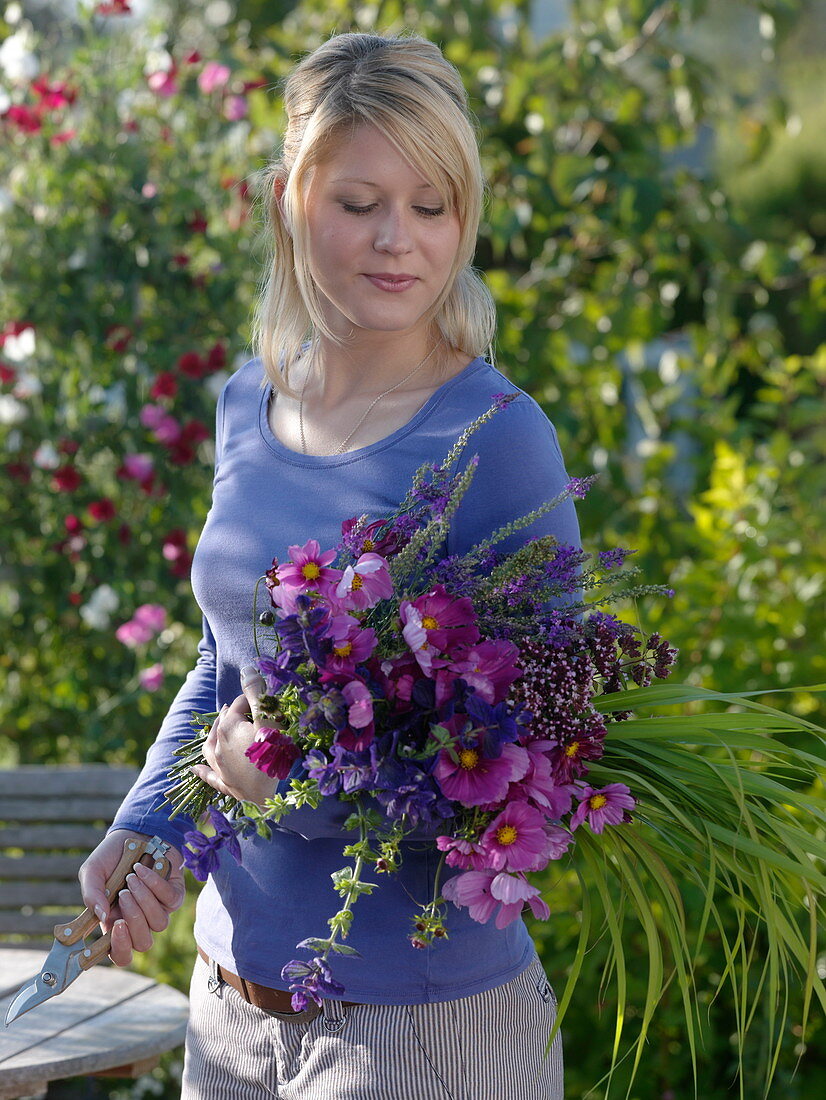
{"points": [[425, 211]]}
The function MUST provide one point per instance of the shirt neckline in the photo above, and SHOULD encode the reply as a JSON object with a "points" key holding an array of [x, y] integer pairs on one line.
{"points": [[327, 461]]}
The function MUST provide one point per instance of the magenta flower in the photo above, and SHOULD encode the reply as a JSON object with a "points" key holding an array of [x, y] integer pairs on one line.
{"points": [[606, 806], [518, 839], [273, 752], [308, 568], [415, 635], [483, 892], [365, 583], [352, 643], [474, 779], [448, 622], [489, 667], [151, 678], [133, 634]]}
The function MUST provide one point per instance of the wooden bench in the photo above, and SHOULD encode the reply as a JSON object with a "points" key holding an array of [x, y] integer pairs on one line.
{"points": [[109, 1021]]}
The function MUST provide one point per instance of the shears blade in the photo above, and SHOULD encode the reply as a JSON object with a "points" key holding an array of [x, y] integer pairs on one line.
{"points": [[60, 968]]}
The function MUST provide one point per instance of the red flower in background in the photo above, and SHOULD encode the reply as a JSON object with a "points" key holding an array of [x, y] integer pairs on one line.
{"points": [[53, 96], [175, 551], [165, 385], [7, 375], [102, 510], [118, 337], [19, 471], [66, 479], [115, 7], [192, 365], [24, 118]]}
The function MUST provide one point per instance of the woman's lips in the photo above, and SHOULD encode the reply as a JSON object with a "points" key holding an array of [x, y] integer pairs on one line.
{"points": [[394, 286]]}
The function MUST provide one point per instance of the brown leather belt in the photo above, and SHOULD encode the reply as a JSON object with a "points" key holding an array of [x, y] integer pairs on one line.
{"points": [[262, 996]]}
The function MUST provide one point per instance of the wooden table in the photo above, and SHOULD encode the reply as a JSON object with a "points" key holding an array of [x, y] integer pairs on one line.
{"points": [[108, 1018]]}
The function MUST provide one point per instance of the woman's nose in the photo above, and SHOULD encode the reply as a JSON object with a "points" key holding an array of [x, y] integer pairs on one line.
{"points": [[393, 234]]}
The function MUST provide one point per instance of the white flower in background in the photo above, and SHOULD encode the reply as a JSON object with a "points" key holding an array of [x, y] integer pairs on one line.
{"points": [[46, 457], [13, 14], [5, 100], [27, 385], [17, 59], [96, 612], [215, 383], [11, 410], [20, 347]]}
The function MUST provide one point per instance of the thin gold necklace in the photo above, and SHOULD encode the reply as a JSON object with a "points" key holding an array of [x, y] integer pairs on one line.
{"points": [[369, 408]]}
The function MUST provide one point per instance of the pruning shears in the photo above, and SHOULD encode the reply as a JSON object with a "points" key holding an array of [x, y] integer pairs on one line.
{"points": [[71, 954]]}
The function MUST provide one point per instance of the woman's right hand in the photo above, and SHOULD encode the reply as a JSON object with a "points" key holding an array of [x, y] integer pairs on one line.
{"points": [[142, 907]]}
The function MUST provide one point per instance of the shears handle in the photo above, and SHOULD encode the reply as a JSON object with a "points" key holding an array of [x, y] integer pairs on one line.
{"points": [[149, 852]]}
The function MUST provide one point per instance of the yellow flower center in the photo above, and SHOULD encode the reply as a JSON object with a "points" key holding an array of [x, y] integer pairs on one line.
{"points": [[367, 546], [572, 749], [343, 650], [597, 801], [506, 835], [310, 571], [468, 758], [429, 623], [357, 583]]}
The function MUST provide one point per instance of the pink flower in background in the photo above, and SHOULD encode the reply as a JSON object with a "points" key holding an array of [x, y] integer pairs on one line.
{"points": [[235, 107], [462, 853], [151, 678], [606, 806], [164, 82], [152, 615], [212, 76], [483, 892], [137, 466], [362, 585], [133, 634], [513, 891]]}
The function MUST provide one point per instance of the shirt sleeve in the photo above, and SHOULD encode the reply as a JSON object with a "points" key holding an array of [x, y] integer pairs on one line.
{"points": [[198, 694], [520, 467]]}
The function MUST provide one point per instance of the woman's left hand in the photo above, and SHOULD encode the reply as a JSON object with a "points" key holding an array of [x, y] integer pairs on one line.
{"points": [[227, 768]]}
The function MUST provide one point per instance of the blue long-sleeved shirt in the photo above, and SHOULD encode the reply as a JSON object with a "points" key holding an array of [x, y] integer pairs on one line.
{"points": [[266, 498]]}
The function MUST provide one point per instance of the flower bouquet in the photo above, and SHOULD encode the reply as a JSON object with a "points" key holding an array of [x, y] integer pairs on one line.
{"points": [[481, 703]]}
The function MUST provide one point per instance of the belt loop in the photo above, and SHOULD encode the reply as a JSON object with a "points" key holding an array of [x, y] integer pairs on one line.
{"points": [[214, 979], [334, 1015]]}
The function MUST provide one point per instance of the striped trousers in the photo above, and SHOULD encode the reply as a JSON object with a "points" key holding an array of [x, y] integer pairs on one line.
{"points": [[489, 1046]]}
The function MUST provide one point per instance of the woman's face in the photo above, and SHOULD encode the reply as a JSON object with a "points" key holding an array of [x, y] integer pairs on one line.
{"points": [[381, 244]]}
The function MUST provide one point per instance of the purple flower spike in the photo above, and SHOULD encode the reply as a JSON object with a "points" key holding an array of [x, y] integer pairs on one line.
{"points": [[204, 860], [310, 981]]}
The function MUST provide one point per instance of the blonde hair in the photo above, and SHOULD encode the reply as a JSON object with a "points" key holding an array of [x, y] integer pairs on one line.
{"points": [[405, 87]]}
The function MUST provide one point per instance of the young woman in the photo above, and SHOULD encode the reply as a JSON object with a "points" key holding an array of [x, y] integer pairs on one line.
{"points": [[370, 341]]}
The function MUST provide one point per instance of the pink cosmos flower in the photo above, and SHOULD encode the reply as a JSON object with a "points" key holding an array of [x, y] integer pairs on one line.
{"points": [[273, 752], [489, 667], [308, 568], [359, 703], [482, 892], [151, 678], [538, 784], [474, 779], [448, 622], [518, 839], [365, 583], [213, 75], [415, 634], [352, 643], [606, 806], [462, 853]]}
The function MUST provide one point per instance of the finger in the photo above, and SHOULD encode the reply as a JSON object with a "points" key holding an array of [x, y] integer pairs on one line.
{"points": [[168, 892], [157, 917], [120, 948], [139, 931], [212, 736], [253, 686], [203, 771]]}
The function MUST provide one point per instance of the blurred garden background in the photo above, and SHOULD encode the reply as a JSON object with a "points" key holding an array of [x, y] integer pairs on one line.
{"points": [[654, 240]]}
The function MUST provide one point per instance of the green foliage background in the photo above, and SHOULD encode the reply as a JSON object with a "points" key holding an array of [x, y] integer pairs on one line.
{"points": [[653, 238]]}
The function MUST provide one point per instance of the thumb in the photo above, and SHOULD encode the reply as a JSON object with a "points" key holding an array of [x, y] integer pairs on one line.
{"points": [[253, 687]]}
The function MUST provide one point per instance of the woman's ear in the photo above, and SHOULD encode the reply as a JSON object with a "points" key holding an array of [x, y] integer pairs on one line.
{"points": [[279, 185]]}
